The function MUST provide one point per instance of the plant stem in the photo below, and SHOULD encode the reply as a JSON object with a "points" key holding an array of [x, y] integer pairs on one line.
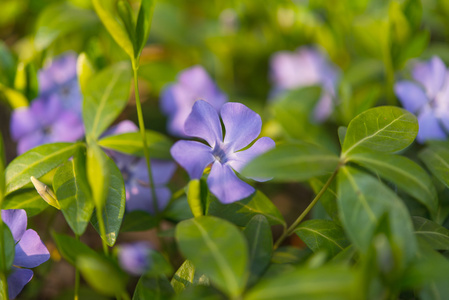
{"points": [[295, 224], [102, 231], [4, 284], [77, 278], [146, 151]]}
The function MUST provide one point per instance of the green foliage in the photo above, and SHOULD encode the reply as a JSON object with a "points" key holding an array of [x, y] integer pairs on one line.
{"points": [[435, 235], [158, 288], [27, 199], [436, 158], [197, 196], [187, 276], [71, 249], [9, 248], [138, 221]]}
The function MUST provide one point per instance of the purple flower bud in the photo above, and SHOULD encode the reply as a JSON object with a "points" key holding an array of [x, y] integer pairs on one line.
{"points": [[177, 99], [242, 127], [135, 258], [30, 252]]}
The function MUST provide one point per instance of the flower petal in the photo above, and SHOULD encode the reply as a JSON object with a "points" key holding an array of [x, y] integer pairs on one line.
{"points": [[135, 258], [431, 74], [411, 95], [242, 125], [67, 128], [192, 156], [203, 122], [139, 197], [17, 280], [16, 220], [241, 158], [162, 171], [124, 126], [429, 126], [226, 186], [324, 107], [30, 141], [23, 122], [30, 251]]}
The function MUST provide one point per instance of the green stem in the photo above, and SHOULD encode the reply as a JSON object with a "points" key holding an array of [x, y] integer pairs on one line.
{"points": [[146, 151], [77, 278], [295, 224], [102, 231], [4, 284]]}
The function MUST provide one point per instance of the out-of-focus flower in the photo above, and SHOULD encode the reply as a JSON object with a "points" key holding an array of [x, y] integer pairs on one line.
{"points": [[306, 67], [30, 252], [242, 127], [135, 258], [428, 98], [55, 116], [177, 99], [135, 174]]}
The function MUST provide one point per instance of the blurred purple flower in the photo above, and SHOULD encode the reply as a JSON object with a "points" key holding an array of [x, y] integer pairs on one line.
{"points": [[135, 258], [29, 251], [242, 127], [306, 67], [177, 99], [135, 174], [55, 116], [428, 98]]}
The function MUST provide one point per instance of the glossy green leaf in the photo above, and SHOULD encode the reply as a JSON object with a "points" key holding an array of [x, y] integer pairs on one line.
{"points": [[73, 193], [290, 255], [363, 201], [187, 276], [326, 283], [115, 204], [197, 196], [105, 97], [403, 172], [70, 248], [27, 199], [138, 220], [384, 129], [435, 235], [329, 198], [206, 242], [322, 235], [125, 13], [131, 143], [153, 288], [37, 162], [9, 246], [143, 25], [107, 11], [159, 265], [260, 243], [97, 173], [292, 162], [241, 212], [84, 71], [437, 161]]}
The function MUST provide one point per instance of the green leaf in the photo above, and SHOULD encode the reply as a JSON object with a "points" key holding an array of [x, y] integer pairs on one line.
{"points": [[159, 265], [27, 199], [363, 201], [26, 80], [384, 129], [97, 171], [436, 160], [105, 97], [138, 221], [9, 246], [329, 198], [435, 235], [241, 212], [292, 161], [2, 168], [73, 193], [260, 243], [290, 255], [206, 242], [70, 248], [125, 12], [197, 196], [403, 172], [322, 235], [115, 204], [153, 288], [187, 276], [131, 143], [107, 11], [37, 162], [84, 71], [326, 283], [143, 25]]}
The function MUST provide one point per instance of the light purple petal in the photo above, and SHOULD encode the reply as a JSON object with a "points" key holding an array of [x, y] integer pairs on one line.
{"points": [[242, 125], [46, 110], [441, 105], [324, 107], [30, 251], [139, 197], [67, 128], [135, 258], [61, 70], [124, 126], [192, 156], [429, 126], [226, 186], [241, 158], [16, 220], [23, 122], [162, 171], [30, 141], [203, 122], [431, 74], [411, 95], [17, 280]]}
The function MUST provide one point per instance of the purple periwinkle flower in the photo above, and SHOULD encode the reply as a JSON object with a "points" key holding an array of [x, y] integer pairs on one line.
{"points": [[306, 67], [135, 174], [177, 99], [55, 116], [30, 252], [428, 98], [135, 258], [226, 154]]}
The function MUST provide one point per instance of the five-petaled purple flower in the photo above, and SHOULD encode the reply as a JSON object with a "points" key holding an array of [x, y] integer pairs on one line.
{"points": [[242, 126], [135, 174], [55, 116], [135, 258], [306, 67], [177, 99], [29, 251], [428, 98]]}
